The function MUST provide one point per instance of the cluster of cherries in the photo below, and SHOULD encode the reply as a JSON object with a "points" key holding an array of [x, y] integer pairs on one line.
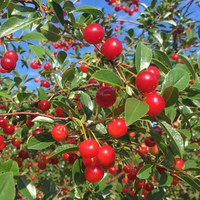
{"points": [[8, 61], [146, 82], [126, 8]]}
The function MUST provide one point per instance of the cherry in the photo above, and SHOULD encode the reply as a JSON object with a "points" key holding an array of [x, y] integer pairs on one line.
{"points": [[112, 48], [1, 140], [42, 165], [154, 70], [155, 102], [12, 55], [160, 169], [65, 156], [59, 112], [54, 160], [132, 134], [146, 82], [117, 128], [175, 180], [179, 164], [23, 154], [149, 187], [106, 156], [93, 33], [93, 173], [143, 148], [73, 157], [16, 142], [140, 183], [88, 148], [37, 131], [127, 169], [3, 71], [44, 105], [157, 129], [84, 69], [29, 122], [47, 66], [9, 129], [19, 163], [149, 141], [8, 63], [59, 132], [45, 84], [2, 146], [113, 169], [105, 97], [35, 65], [46, 158], [154, 149], [90, 161], [132, 175], [175, 56], [3, 122]]}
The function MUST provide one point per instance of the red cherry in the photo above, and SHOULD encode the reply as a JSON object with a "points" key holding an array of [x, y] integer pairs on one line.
{"points": [[16, 142], [155, 102], [149, 141], [93, 33], [65, 156], [59, 132], [154, 70], [54, 160], [9, 129], [73, 157], [29, 122], [105, 97], [112, 48], [42, 165], [117, 128], [3, 71], [44, 105], [113, 169], [149, 187], [1, 139], [143, 148], [179, 164], [127, 169], [3, 122], [106, 156], [45, 84], [132, 134], [8, 63], [36, 79], [59, 112], [146, 82], [23, 154], [19, 163], [90, 161], [37, 131], [88, 148], [175, 180], [35, 65], [12, 55], [46, 158], [140, 183], [84, 69], [160, 169], [93, 173], [158, 130], [47, 66], [175, 56], [154, 149]]}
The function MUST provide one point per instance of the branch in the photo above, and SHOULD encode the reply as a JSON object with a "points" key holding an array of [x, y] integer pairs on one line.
{"points": [[128, 21]]}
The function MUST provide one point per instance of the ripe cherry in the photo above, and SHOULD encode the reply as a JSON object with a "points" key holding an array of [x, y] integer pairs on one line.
{"points": [[149, 187], [3, 71], [106, 156], [113, 169], [146, 82], [9, 129], [84, 69], [16, 142], [112, 48], [65, 156], [47, 66], [179, 164], [93, 33], [73, 157], [2, 143], [42, 165], [143, 148], [117, 128], [37, 131], [155, 102], [93, 173], [44, 105], [154, 70], [59, 132], [149, 141], [158, 130], [154, 150], [8, 63], [88, 148], [175, 56], [175, 180], [160, 169], [23, 154], [35, 65], [90, 161], [45, 84], [29, 122], [105, 97], [12, 55], [127, 169], [3, 122], [54, 160], [59, 112]]}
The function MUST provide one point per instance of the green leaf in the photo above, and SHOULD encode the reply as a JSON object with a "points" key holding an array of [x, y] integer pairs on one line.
{"points": [[177, 78], [77, 173], [14, 24], [170, 95], [40, 141], [5, 95], [38, 51], [43, 119], [58, 12], [198, 59], [88, 9], [63, 149], [195, 183], [68, 75], [20, 10], [26, 188], [161, 56], [33, 36], [188, 65], [165, 180], [172, 22], [42, 94], [61, 57], [160, 65], [7, 186], [143, 57], [50, 32], [107, 76], [58, 80], [145, 172], [9, 166], [175, 136], [48, 189], [134, 110], [69, 6]]}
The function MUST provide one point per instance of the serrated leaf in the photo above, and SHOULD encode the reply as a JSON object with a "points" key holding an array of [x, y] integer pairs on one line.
{"points": [[145, 172], [43, 119], [61, 57], [134, 110], [175, 136], [161, 56], [143, 57], [58, 80], [107, 76], [68, 75], [9, 166], [42, 94], [64, 149], [88, 9]]}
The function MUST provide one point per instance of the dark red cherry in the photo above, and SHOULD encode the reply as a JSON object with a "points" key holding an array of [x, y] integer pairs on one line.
{"points": [[44, 105], [8, 63], [93, 173]]}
